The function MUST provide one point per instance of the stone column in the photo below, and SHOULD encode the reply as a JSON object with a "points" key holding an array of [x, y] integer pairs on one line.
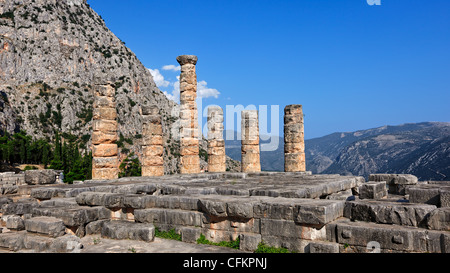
{"points": [[250, 141], [189, 143], [153, 149], [294, 140], [216, 143], [104, 137]]}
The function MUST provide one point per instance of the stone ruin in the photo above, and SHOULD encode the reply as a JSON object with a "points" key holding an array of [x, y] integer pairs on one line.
{"points": [[294, 209]]}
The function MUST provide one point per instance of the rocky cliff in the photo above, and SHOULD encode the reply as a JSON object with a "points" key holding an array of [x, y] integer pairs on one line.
{"points": [[52, 54]]}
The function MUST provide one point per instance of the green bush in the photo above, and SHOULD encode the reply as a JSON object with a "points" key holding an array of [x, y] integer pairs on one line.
{"points": [[263, 248], [232, 244]]}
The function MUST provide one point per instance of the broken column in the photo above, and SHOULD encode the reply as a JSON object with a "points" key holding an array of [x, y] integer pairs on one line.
{"points": [[216, 143], [189, 143], [104, 137], [153, 149], [294, 140], [250, 141]]}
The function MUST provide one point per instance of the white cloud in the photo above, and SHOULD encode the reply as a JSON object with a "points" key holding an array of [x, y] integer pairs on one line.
{"points": [[158, 78], [171, 67], [204, 92]]}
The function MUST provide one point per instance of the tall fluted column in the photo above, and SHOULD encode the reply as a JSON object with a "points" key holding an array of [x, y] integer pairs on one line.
{"points": [[216, 143], [250, 141], [104, 137], [294, 140], [153, 149], [189, 143]]}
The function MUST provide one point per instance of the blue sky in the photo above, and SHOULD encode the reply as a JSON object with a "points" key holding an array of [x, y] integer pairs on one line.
{"points": [[350, 64]]}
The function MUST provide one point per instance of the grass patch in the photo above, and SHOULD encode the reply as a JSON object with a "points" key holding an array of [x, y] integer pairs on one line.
{"points": [[171, 234], [263, 248], [232, 244]]}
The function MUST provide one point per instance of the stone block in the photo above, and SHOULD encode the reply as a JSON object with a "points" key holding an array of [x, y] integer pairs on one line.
{"points": [[189, 234], [168, 217], [74, 217], [47, 193], [323, 247], [149, 140], [104, 138], [40, 177], [105, 162], [213, 207], [109, 200], [45, 225], [249, 241], [104, 102], [19, 208], [38, 244], [153, 150], [95, 227], [14, 222], [152, 129], [439, 219], [104, 126], [105, 150], [373, 190], [12, 241], [427, 194], [444, 197], [152, 170], [66, 244], [104, 114], [318, 212], [105, 173], [383, 212], [289, 229], [122, 230], [153, 161], [397, 183]]}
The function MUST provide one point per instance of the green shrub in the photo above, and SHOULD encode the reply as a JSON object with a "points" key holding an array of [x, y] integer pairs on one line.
{"points": [[263, 248]]}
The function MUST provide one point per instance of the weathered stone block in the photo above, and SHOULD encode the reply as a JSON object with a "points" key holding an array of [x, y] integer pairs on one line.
{"points": [[444, 197], [104, 114], [47, 193], [13, 241], [122, 230], [66, 244], [373, 190], [19, 208], [45, 225], [104, 126], [249, 241], [152, 170], [109, 200], [318, 212], [189, 234], [105, 162], [105, 173], [323, 247], [439, 219], [398, 183], [383, 212], [74, 217], [290, 229], [40, 177], [104, 102], [105, 150], [427, 194], [14, 222], [153, 150], [168, 217], [104, 138], [95, 227]]}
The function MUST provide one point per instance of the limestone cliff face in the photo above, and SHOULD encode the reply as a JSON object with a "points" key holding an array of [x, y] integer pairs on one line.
{"points": [[52, 54]]}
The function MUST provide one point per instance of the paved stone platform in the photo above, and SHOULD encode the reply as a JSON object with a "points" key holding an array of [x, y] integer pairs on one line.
{"points": [[298, 211]]}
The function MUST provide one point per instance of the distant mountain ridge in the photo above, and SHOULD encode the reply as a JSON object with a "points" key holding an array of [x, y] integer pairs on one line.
{"points": [[421, 149]]}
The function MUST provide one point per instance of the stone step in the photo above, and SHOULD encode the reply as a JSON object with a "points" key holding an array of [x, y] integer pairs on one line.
{"points": [[169, 217], [386, 212], [122, 230], [24, 241], [390, 238], [73, 216], [19, 207], [45, 225]]}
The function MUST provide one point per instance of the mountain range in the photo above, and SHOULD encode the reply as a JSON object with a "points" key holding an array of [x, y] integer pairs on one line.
{"points": [[421, 149]]}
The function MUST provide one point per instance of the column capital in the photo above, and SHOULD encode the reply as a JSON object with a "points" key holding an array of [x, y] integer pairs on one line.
{"points": [[187, 59]]}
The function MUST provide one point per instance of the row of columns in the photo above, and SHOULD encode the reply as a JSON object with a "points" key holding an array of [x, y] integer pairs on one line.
{"points": [[104, 138]]}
